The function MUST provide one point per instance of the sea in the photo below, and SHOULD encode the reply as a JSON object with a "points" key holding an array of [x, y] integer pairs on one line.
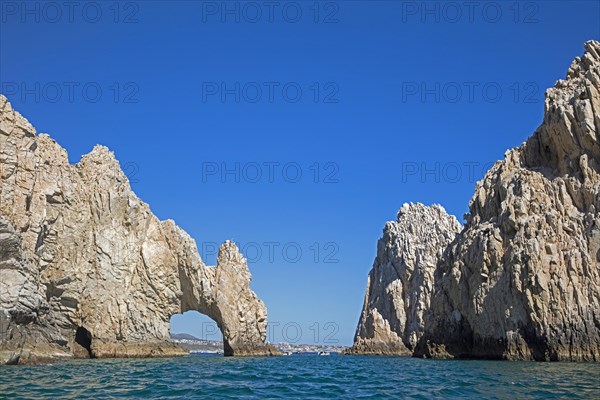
{"points": [[299, 376]]}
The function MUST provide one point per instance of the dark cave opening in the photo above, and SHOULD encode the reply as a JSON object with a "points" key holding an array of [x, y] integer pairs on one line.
{"points": [[83, 337]]}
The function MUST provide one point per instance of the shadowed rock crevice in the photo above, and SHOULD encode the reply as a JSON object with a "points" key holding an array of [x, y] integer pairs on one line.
{"points": [[83, 338], [79, 249]]}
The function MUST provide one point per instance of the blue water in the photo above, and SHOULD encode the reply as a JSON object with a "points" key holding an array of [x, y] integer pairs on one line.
{"points": [[310, 377]]}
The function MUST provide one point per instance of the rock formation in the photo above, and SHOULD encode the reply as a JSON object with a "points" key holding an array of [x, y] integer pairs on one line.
{"points": [[86, 269], [400, 283], [522, 279]]}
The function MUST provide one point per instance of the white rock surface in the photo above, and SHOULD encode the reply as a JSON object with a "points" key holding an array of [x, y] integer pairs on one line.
{"points": [[400, 283], [522, 279], [79, 249]]}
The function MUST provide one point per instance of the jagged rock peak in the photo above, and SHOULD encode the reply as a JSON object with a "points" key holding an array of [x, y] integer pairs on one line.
{"points": [[401, 280], [521, 281], [88, 270], [529, 253]]}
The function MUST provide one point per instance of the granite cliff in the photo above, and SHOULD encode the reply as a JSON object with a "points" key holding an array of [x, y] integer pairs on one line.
{"points": [[401, 281], [87, 270], [521, 280]]}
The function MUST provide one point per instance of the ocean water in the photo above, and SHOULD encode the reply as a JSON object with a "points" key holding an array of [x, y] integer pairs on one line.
{"points": [[302, 376]]}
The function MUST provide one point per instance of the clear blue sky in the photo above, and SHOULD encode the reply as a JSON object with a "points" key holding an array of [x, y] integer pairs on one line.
{"points": [[389, 90]]}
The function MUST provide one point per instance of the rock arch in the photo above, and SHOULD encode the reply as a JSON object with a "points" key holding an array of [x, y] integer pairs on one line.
{"points": [[195, 324], [238, 312], [79, 249]]}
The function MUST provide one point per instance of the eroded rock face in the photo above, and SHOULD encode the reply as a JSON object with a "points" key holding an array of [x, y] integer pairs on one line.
{"points": [[400, 283], [522, 280], [78, 249]]}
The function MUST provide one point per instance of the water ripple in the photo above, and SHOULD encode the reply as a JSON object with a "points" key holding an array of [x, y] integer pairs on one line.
{"points": [[309, 377]]}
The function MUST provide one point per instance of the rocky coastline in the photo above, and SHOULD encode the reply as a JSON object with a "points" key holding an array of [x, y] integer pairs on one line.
{"points": [[87, 270], [521, 279]]}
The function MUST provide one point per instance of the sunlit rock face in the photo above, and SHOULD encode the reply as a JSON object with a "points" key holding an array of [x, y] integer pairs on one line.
{"points": [[521, 281], [400, 283], [79, 250]]}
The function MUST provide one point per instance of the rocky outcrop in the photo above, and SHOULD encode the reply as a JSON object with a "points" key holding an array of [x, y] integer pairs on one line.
{"points": [[400, 283], [522, 279], [86, 269]]}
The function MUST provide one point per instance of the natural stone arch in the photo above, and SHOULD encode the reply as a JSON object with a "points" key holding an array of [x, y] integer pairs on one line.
{"points": [[80, 250], [225, 297], [220, 292], [195, 324]]}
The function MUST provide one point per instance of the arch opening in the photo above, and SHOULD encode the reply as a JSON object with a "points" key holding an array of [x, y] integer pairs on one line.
{"points": [[83, 337], [197, 333]]}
